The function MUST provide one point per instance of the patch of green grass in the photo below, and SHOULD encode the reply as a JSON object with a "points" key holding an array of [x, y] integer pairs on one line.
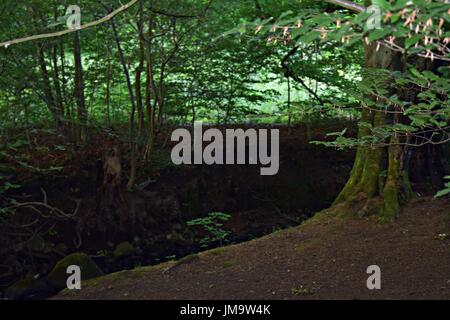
{"points": [[301, 291], [228, 264], [216, 251]]}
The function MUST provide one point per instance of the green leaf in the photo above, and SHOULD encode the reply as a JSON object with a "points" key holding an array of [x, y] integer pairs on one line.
{"points": [[379, 34], [382, 4], [409, 42], [442, 193], [310, 37]]}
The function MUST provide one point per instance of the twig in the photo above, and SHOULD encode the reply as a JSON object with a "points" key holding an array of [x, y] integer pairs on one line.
{"points": [[34, 204]]}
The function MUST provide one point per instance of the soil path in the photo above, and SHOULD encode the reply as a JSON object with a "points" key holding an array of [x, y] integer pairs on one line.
{"points": [[325, 258]]}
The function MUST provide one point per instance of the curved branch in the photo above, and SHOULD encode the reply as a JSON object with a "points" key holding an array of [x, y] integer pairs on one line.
{"points": [[348, 5]]}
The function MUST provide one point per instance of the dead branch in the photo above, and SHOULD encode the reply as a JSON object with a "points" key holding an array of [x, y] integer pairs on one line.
{"points": [[33, 205]]}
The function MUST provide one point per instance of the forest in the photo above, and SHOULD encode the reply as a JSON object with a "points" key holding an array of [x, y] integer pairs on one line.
{"points": [[224, 149]]}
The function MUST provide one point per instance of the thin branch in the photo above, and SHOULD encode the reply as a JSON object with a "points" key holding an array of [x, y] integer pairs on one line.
{"points": [[348, 5], [34, 204], [289, 73], [125, 7]]}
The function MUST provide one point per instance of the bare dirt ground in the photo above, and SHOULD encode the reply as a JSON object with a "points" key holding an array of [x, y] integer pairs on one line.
{"points": [[325, 258]]}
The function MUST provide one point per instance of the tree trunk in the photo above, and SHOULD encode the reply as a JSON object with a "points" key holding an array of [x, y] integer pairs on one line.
{"points": [[150, 92], [68, 106], [108, 95], [378, 181], [133, 160], [79, 90], [59, 104], [46, 85], [140, 69], [58, 92]]}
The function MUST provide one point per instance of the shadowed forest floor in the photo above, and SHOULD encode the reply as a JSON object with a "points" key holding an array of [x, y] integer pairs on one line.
{"points": [[325, 258]]}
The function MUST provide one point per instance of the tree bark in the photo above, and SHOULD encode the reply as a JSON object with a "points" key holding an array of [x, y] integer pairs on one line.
{"points": [[140, 69], [58, 94], [108, 95], [79, 90], [59, 104], [150, 91], [133, 160], [46, 85], [378, 172]]}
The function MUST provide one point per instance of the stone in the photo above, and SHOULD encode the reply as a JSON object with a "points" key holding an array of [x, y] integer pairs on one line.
{"points": [[89, 269], [27, 288], [124, 249]]}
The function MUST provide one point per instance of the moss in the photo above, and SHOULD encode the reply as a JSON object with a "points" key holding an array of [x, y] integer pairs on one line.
{"points": [[371, 173], [391, 192], [112, 279], [145, 269], [372, 165], [58, 276], [391, 207], [365, 176], [367, 182], [216, 251], [124, 249], [353, 179], [301, 291], [228, 264], [26, 288], [367, 166]]}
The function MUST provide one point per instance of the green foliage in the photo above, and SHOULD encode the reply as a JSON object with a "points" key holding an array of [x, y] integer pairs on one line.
{"points": [[212, 224], [446, 190], [4, 187], [7, 186], [231, 64], [429, 112], [209, 77]]}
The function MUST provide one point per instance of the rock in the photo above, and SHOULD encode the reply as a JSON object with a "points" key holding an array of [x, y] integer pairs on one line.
{"points": [[124, 249], [58, 276], [36, 244], [26, 288], [177, 227], [61, 248]]}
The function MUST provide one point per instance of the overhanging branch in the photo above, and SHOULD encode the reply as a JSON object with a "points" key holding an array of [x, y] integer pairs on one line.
{"points": [[6, 44], [348, 5]]}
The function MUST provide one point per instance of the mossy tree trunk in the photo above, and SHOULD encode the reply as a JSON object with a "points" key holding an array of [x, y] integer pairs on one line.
{"points": [[378, 180]]}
